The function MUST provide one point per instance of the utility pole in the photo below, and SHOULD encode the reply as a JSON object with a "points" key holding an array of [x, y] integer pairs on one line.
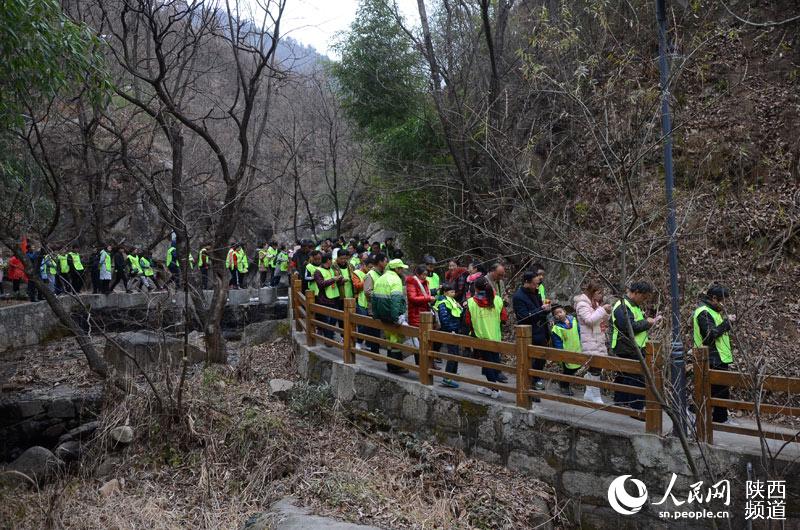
{"points": [[677, 361]]}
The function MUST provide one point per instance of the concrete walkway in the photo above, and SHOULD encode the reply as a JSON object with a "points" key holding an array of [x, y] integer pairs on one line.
{"points": [[563, 411], [286, 515]]}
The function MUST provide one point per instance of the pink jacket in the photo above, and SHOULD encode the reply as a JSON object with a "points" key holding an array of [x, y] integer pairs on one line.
{"points": [[593, 336]]}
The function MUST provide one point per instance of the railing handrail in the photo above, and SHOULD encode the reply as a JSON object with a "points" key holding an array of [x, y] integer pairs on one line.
{"points": [[305, 309]]}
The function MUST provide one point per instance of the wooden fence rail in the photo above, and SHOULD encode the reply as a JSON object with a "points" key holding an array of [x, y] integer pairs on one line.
{"points": [[348, 325]]}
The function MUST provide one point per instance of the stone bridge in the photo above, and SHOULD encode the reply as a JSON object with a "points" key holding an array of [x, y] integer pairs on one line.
{"points": [[28, 324], [577, 450]]}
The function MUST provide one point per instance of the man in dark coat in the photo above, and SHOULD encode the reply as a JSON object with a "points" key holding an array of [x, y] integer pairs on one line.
{"points": [[530, 310]]}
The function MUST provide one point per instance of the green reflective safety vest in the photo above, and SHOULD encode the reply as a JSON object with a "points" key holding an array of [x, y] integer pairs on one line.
{"points": [[272, 254], [76, 261], [49, 264], [107, 261], [191, 261], [147, 268], [434, 282], [348, 281], [312, 285], [722, 343], [486, 320], [241, 261], [281, 261], [202, 258], [134, 263], [570, 339], [638, 314], [63, 263], [261, 257], [542, 293], [355, 261], [451, 304], [171, 257], [361, 299], [331, 291]]}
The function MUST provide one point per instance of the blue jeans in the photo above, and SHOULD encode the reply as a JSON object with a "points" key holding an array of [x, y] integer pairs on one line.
{"points": [[366, 330], [490, 373]]}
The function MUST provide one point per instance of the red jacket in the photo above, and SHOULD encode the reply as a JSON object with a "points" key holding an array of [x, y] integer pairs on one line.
{"points": [[16, 271], [418, 299]]}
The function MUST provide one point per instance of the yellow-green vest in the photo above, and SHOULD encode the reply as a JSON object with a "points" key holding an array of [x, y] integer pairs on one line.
{"points": [[486, 320], [171, 257], [76, 261], [63, 263], [434, 282], [331, 291], [282, 258], [361, 300], [641, 337], [134, 263], [542, 293], [312, 285], [147, 268], [451, 304], [570, 338], [722, 343]]}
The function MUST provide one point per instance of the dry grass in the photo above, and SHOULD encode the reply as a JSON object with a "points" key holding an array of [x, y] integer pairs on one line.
{"points": [[238, 449]]}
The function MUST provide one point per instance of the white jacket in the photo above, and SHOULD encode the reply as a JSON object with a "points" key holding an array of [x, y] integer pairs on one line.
{"points": [[593, 339]]}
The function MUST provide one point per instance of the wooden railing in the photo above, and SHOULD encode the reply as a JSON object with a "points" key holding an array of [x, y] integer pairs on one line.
{"points": [[704, 377], [305, 312]]}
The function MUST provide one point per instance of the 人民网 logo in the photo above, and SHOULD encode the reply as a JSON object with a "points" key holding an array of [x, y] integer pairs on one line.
{"points": [[621, 501]]}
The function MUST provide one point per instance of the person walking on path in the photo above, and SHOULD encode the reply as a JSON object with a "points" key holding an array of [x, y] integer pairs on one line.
{"points": [[16, 274], [378, 264], [34, 295], [389, 305], [120, 274], [419, 299], [328, 284], [280, 265], [173, 266], [593, 317], [629, 336], [530, 310], [712, 330], [484, 317], [106, 269], [202, 264], [450, 321], [434, 280], [566, 335], [457, 277], [76, 271]]}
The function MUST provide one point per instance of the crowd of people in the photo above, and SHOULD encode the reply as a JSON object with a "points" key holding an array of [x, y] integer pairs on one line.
{"points": [[469, 297], [472, 298]]}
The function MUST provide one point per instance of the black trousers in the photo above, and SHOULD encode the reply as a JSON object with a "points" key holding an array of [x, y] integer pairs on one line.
{"points": [[204, 277], [626, 399], [119, 276], [76, 279], [720, 414]]}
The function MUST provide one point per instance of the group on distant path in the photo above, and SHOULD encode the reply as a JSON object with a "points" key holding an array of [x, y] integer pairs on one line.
{"points": [[469, 297]]}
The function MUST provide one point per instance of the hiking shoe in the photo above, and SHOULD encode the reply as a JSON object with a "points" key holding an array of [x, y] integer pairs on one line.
{"points": [[485, 391], [730, 421], [502, 378], [567, 391], [538, 385], [449, 383]]}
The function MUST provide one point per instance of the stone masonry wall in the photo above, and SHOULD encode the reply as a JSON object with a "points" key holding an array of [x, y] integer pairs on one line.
{"points": [[578, 456]]}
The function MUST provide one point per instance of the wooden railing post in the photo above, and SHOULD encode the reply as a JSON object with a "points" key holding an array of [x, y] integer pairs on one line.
{"points": [[702, 393], [347, 331], [652, 408], [425, 327], [523, 336], [310, 329], [297, 284]]}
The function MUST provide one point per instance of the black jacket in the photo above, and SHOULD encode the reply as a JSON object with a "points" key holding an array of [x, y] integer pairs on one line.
{"points": [[710, 333], [626, 346], [528, 310]]}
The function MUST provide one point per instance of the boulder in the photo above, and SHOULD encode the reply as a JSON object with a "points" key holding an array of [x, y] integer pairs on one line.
{"points": [[154, 353], [69, 451], [110, 488], [260, 332], [280, 388], [122, 435], [37, 463], [81, 432]]}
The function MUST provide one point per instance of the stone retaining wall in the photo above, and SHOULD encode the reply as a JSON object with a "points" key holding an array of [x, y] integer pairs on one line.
{"points": [[578, 453], [27, 324]]}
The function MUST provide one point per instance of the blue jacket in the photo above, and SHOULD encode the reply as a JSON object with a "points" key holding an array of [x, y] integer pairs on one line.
{"points": [[447, 322], [528, 309]]}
